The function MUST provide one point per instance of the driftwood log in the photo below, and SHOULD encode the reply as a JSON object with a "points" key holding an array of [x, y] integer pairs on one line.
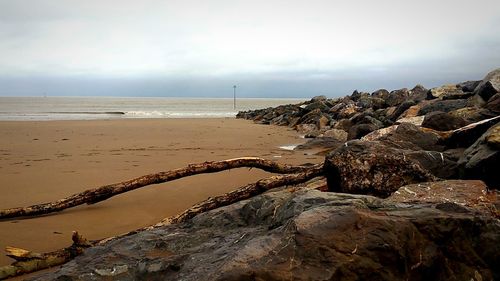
{"points": [[102, 193], [27, 261], [245, 192]]}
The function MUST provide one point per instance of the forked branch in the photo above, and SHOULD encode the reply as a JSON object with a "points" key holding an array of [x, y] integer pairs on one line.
{"points": [[102, 193]]}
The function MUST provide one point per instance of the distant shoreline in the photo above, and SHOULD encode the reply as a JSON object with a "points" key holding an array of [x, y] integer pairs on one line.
{"points": [[103, 108]]}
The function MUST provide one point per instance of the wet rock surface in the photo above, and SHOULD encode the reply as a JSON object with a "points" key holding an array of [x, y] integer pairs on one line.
{"points": [[363, 167], [313, 235], [482, 159]]}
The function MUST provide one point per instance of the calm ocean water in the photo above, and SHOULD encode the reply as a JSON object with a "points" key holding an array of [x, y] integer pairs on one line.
{"points": [[91, 108]]}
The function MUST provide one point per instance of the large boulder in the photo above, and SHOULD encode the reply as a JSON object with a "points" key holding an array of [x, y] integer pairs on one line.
{"points": [[381, 93], [472, 114], [449, 92], [415, 120], [320, 145], [321, 105], [337, 134], [442, 105], [466, 136], [418, 93], [442, 121], [321, 98], [409, 136], [397, 97], [376, 135], [342, 124], [481, 160], [360, 130], [489, 86], [458, 195], [306, 235], [412, 111], [468, 86], [373, 168], [401, 109], [315, 117], [493, 104], [476, 101]]}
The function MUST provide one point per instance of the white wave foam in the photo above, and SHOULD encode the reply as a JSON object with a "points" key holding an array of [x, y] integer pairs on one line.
{"points": [[165, 114]]}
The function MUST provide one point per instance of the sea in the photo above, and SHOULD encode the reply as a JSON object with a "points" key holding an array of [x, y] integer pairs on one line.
{"points": [[95, 108]]}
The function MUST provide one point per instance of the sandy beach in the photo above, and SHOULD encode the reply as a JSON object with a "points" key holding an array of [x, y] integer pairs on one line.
{"points": [[46, 161]]}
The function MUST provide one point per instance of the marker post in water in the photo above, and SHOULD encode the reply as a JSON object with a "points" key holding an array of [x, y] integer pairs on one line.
{"points": [[234, 97]]}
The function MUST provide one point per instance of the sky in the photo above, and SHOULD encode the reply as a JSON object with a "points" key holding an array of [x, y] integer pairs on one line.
{"points": [[267, 48]]}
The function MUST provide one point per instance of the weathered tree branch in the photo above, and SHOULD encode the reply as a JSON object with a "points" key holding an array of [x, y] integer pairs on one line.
{"points": [[245, 192], [27, 261], [242, 193], [92, 196]]}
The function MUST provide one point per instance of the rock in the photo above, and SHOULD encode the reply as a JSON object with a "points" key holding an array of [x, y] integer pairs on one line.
{"points": [[307, 235], [442, 105], [343, 124], [416, 120], [442, 121], [397, 97], [476, 101], [461, 195], [390, 110], [409, 136], [418, 93], [375, 135], [439, 164], [315, 117], [493, 137], [293, 121], [378, 103], [466, 136], [493, 104], [365, 101], [355, 95], [489, 86], [323, 122], [321, 105], [401, 109], [337, 134], [412, 111], [481, 160], [320, 98], [281, 120], [306, 128], [373, 168], [348, 111], [469, 86], [366, 118], [381, 93], [449, 92], [360, 130], [320, 144], [472, 114]]}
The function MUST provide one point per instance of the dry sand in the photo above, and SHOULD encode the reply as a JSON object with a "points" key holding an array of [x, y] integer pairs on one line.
{"points": [[46, 161]]}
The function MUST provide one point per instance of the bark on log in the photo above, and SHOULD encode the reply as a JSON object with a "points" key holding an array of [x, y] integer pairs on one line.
{"points": [[93, 196], [242, 193], [27, 261], [245, 192]]}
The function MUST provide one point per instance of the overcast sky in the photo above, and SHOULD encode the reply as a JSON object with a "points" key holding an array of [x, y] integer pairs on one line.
{"points": [[268, 48]]}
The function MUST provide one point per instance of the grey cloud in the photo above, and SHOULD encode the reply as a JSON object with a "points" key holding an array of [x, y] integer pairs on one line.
{"points": [[270, 48]]}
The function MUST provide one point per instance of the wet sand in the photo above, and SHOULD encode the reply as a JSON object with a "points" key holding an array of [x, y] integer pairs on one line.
{"points": [[46, 161]]}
